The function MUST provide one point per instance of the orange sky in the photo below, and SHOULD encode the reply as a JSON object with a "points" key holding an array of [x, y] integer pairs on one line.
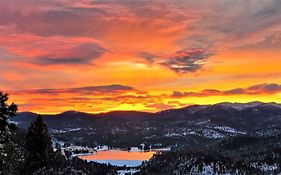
{"points": [[97, 56]]}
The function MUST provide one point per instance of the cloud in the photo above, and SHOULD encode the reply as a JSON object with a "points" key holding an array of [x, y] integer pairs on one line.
{"points": [[52, 50], [105, 92], [180, 36], [90, 19], [189, 24], [265, 88], [58, 18], [89, 90], [105, 98], [81, 54], [160, 106], [115, 23], [90, 98], [187, 60], [206, 92], [273, 41], [149, 57], [235, 91], [240, 23]]}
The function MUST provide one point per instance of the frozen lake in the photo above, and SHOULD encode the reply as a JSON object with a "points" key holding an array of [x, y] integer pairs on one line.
{"points": [[119, 157]]}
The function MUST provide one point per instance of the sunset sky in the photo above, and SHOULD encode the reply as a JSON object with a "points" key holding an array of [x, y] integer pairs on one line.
{"points": [[98, 56]]}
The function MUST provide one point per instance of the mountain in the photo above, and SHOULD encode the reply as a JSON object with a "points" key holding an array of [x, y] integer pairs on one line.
{"points": [[74, 119], [185, 126]]}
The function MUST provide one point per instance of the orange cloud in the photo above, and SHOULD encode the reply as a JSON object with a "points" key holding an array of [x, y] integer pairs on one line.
{"points": [[265, 88], [155, 47], [52, 50], [120, 97]]}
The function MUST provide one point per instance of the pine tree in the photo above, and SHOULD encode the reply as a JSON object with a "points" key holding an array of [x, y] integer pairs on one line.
{"points": [[6, 111], [8, 151], [38, 146]]}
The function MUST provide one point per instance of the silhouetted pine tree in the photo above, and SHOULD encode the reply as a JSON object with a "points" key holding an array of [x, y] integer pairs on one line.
{"points": [[38, 146], [9, 157], [6, 111]]}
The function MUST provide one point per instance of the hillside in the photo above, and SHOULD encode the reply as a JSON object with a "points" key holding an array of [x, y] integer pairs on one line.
{"points": [[186, 126]]}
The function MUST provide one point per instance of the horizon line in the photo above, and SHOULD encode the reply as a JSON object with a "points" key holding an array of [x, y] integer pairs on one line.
{"points": [[96, 113]]}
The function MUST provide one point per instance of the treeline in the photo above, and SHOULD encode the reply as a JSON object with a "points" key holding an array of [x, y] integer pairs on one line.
{"points": [[34, 155], [189, 162], [234, 155]]}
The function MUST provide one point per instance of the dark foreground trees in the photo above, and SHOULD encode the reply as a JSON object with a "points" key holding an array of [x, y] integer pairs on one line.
{"points": [[38, 146], [10, 154], [41, 159], [37, 156], [6, 111]]}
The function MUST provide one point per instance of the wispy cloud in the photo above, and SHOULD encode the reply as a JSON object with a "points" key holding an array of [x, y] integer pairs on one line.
{"points": [[113, 97], [187, 60], [266, 88], [88, 90], [52, 51]]}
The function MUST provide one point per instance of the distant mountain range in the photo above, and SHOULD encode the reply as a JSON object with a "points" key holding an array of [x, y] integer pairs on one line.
{"points": [[175, 126]]}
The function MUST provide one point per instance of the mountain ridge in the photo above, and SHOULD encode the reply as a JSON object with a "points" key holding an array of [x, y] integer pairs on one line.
{"points": [[250, 104], [189, 125]]}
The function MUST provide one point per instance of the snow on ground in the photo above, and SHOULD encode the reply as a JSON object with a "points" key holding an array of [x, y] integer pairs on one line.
{"points": [[127, 163], [203, 122], [102, 148], [56, 141], [229, 130], [240, 106], [206, 170], [81, 150], [14, 122], [268, 132], [135, 149], [212, 134], [66, 130], [125, 172], [209, 132], [172, 134], [212, 131], [265, 167], [161, 149]]}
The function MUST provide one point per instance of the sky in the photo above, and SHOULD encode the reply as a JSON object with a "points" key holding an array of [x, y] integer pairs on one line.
{"points": [[99, 56]]}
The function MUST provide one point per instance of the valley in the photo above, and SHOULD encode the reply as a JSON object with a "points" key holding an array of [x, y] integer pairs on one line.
{"points": [[209, 134]]}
